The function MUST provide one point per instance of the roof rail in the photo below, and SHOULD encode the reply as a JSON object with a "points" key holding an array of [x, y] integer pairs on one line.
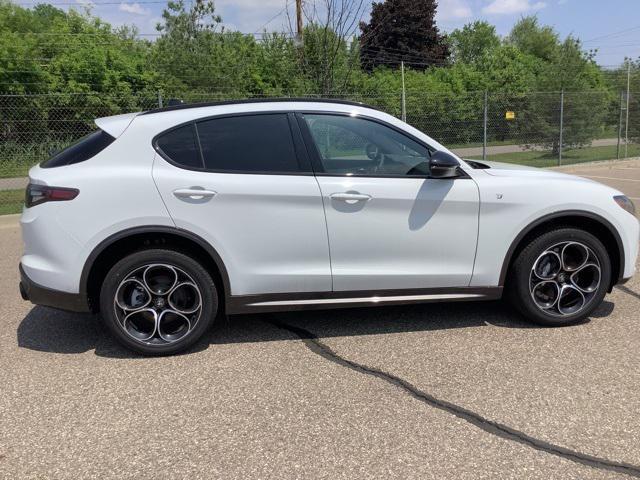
{"points": [[253, 100]]}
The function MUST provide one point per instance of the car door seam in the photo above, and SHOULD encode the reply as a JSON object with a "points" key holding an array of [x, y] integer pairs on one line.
{"points": [[155, 184], [475, 255], [326, 227]]}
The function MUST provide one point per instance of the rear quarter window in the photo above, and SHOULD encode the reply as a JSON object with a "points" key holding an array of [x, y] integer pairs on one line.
{"points": [[84, 149], [180, 146]]}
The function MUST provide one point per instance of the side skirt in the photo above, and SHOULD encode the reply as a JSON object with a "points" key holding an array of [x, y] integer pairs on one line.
{"points": [[278, 302]]}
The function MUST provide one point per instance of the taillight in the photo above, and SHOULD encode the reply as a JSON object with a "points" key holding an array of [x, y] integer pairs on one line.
{"points": [[37, 194]]}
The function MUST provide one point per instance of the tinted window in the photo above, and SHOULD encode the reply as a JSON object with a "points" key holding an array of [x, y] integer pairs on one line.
{"points": [[82, 150], [357, 146], [248, 143], [180, 145]]}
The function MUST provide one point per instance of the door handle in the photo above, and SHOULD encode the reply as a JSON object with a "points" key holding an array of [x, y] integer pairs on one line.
{"points": [[194, 193], [350, 197]]}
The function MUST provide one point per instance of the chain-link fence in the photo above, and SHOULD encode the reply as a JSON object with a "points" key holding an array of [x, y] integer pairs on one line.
{"points": [[541, 129]]}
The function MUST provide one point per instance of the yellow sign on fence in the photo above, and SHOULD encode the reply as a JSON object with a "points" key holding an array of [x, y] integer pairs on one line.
{"points": [[510, 115]]}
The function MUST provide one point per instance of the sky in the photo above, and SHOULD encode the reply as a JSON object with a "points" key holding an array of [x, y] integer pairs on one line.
{"points": [[611, 26]]}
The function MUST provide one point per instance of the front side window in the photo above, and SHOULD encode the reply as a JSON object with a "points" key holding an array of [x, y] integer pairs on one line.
{"points": [[248, 143], [357, 146]]}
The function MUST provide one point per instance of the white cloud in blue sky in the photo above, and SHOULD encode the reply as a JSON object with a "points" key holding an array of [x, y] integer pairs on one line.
{"points": [[134, 8], [511, 7], [454, 10]]}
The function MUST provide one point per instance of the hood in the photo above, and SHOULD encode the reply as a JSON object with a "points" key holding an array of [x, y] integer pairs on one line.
{"points": [[501, 169]]}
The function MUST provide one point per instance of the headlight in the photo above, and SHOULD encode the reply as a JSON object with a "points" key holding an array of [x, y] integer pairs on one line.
{"points": [[625, 203]]}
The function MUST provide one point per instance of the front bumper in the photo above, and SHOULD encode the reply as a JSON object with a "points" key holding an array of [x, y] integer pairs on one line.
{"points": [[39, 295]]}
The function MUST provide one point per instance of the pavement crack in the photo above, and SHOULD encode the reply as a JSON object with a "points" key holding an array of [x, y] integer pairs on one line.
{"points": [[628, 291], [313, 343]]}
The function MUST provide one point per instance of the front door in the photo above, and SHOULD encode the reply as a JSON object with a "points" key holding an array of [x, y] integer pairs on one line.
{"points": [[390, 225]]}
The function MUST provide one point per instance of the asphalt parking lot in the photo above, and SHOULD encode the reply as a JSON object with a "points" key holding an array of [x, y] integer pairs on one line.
{"points": [[433, 391]]}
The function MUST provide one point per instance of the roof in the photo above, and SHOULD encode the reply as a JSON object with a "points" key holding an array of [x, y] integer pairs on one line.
{"points": [[254, 100], [115, 124]]}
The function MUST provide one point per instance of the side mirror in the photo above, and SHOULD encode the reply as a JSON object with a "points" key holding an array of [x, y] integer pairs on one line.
{"points": [[443, 165]]}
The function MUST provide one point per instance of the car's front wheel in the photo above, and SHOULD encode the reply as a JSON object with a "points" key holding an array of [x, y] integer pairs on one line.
{"points": [[158, 302], [560, 277]]}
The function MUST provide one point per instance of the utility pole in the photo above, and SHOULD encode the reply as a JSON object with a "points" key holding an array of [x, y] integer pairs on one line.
{"points": [[299, 21], [484, 125], [561, 126], [620, 124], [404, 95], [626, 126]]}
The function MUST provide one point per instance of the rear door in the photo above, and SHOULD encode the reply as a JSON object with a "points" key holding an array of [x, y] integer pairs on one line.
{"points": [[244, 183], [390, 225]]}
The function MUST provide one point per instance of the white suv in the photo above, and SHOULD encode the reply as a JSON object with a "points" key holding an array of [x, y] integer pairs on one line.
{"points": [[163, 219]]}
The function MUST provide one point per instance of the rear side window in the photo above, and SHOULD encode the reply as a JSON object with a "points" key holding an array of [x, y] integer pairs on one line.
{"points": [[248, 143], [82, 150], [181, 146]]}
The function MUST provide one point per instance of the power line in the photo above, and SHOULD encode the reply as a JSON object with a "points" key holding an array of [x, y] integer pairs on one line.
{"points": [[114, 34], [272, 19], [614, 34], [89, 3]]}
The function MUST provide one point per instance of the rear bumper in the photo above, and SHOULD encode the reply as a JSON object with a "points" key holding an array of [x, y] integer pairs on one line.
{"points": [[39, 295]]}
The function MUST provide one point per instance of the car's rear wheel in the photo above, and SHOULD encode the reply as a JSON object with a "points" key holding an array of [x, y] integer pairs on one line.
{"points": [[158, 302], [560, 277]]}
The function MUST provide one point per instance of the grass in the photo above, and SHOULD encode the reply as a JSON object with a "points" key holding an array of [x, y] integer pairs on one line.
{"points": [[15, 168], [17, 158], [491, 143], [578, 155], [11, 201]]}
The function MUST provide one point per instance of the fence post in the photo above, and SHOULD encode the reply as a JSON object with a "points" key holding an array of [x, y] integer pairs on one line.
{"points": [[626, 123], [484, 126], [620, 124], [159, 99], [404, 95], [561, 126]]}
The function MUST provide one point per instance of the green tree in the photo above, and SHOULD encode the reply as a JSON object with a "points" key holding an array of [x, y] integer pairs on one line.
{"points": [[47, 50], [473, 42], [617, 80], [327, 60], [572, 70], [530, 37], [329, 52]]}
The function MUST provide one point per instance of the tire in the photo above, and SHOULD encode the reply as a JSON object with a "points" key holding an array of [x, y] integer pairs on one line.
{"points": [[569, 296], [158, 302]]}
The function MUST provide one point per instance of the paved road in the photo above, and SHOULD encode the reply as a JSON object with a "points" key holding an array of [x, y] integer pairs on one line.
{"points": [[435, 391], [623, 175], [21, 182], [13, 183]]}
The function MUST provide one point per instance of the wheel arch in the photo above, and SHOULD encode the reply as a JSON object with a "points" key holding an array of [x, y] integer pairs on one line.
{"points": [[591, 222], [120, 244]]}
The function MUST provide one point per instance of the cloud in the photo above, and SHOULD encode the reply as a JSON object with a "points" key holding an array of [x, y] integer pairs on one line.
{"points": [[86, 3], [249, 4], [453, 10], [134, 8], [508, 7]]}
